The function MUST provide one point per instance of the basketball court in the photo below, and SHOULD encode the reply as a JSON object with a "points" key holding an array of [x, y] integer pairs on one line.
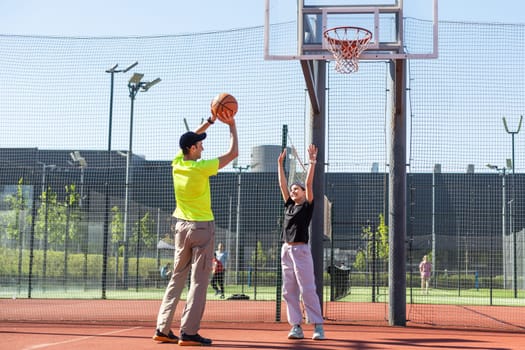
{"points": [[330, 34]]}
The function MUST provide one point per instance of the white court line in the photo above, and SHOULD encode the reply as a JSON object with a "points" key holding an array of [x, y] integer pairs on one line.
{"points": [[41, 346]]}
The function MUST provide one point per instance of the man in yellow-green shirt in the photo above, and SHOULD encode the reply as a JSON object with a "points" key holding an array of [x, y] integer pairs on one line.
{"points": [[194, 233]]}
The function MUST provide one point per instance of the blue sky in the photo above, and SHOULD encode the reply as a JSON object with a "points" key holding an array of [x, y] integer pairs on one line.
{"points": [[99, 18], [140, 17]]}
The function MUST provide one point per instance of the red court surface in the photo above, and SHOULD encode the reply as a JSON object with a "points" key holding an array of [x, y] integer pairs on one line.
{"points": [[264, 336], [30, 324]]}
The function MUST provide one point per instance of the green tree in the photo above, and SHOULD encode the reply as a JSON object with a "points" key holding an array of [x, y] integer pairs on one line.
{"points": [[50, 220], [117, 229], [72, 222], [16, 224], [15, 218], [72, 213], [145, 228], [376, 245], [360, 260]]}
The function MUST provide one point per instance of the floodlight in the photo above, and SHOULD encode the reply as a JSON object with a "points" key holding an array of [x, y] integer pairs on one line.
{"points": [[74, 156], [77, 158], [490, 166], [136, 78], [147, 86]]}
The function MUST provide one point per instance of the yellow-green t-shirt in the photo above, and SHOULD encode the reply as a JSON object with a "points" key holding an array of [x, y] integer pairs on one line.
{"points": [[192, 187]]}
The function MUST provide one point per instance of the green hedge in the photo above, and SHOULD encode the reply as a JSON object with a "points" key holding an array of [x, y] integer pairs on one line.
{"points": [[76, 262], [55, 264]]}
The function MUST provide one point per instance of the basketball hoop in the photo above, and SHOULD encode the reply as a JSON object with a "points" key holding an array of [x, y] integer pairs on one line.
{"points": [[346, 44]]}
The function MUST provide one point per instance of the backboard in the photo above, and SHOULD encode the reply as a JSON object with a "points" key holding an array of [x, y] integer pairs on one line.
{"points": [[294, 28]]}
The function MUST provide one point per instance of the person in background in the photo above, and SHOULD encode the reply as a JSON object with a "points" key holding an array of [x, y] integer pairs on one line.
{"points": [[425, 269], [217, 279], [222, 256], [166, 271]]}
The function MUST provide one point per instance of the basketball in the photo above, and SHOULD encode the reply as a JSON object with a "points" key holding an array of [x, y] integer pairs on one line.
{"points": [[224, 106]]}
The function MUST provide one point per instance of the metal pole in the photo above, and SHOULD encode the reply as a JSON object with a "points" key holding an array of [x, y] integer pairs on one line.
{"points": [[83, 227], [81, 187], [238, 223], [278, 284], [158, 237], [437, 169], [502, 172], [512, 229], [112, 71], [31, 243], [433, 223], [237, 227], [106, 192], [133, 89], [503, 223], [134, 85], [514, 250], [46, 214], [397, 199], [229, 238], [46, 218], [318, 120]]}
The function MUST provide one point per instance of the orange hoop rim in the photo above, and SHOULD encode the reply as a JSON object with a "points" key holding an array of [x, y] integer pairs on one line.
{"points": [[367, 35], [346, 44]]}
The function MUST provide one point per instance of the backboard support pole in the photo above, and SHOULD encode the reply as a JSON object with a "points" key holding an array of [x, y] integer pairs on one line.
{"points": [[310, 80], [318, 127], [397, 199]]}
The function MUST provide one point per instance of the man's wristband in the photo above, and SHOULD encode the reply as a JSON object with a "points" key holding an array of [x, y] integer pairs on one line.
{"points": [[210, 121]]}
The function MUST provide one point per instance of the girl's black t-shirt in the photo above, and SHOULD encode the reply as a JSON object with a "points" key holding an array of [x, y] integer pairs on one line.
{"points": [[296, 221]]}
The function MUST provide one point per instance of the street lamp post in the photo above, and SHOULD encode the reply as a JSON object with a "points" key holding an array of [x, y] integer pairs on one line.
{"points": [[111, 71], [513, 231], [46, 212], [435, 172], [468, 232], [503, 172], [81, 162], [240, 169], [135, 85]]}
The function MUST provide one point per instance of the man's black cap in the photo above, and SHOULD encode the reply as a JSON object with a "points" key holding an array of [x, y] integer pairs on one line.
{"points": [[190, 138]]}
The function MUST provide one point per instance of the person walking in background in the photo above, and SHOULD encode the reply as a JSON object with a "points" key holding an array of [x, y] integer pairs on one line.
{"points": [[425, 269], [222, 255], [165, 271], [217, 281], [194, 233], [296, 256]]}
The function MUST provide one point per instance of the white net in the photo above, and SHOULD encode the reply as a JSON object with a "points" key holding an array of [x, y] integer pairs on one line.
{"points": [[297, 168], [346, 44]]}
